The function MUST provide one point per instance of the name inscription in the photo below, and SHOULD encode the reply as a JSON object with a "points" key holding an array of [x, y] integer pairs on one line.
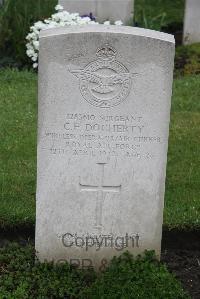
{"points": [[101, 135]]}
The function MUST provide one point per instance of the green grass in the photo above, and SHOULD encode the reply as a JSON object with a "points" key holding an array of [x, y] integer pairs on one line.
{"points": [[187, 60], [16, 17], [182, 197], [150, 13], [18, 98], [142, 278], [18, 147]]}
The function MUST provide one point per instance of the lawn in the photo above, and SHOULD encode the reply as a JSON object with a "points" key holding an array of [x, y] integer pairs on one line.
{"points": [[18, 102], [18, 106], [154, 14], [182, 198]]}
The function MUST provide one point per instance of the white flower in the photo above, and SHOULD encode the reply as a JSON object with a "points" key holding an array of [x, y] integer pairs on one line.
{"points": [[39, 25], [59, 19], [32, 36], [47, 21], [30, 52], [118, 23], [29, 46], [53, 24], [36, 44], [35, 65], [75, 15], [34, 57], [62, 24], [86, 19], [59, 7]]}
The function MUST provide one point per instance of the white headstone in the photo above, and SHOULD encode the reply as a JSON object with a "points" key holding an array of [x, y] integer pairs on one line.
{"points": [[104, 110], [103, 10], [192, 22]]}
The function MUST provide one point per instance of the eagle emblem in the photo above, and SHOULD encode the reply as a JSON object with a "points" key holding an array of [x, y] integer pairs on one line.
{"points": [[106, 82]]}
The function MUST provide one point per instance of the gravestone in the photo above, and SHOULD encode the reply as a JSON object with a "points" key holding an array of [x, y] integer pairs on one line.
{"points": [[104, 109], [192, 22], [103, 10]]}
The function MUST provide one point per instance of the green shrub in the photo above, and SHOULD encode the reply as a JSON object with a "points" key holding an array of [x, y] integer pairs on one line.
{"points": [[145, 17], [126, 277], [16, 17], [158, 14], [143, 278], [21, 277]]}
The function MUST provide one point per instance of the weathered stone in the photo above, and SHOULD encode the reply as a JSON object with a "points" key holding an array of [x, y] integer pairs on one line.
{"points": [[192, 22], [103, 10], [104, 109]]}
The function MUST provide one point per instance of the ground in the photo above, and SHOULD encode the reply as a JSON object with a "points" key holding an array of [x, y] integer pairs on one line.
{"points": [[181, 254]]}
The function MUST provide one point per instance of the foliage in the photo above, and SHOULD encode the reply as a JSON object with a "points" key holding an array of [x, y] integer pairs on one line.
{"points": [[126, 277], [16, 17], [21, 277], [187, 60], [143, 278], [158, 14], [142, 19]]}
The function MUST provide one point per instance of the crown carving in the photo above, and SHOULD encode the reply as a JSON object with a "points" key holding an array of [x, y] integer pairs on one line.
{"points": [[106, 52]]}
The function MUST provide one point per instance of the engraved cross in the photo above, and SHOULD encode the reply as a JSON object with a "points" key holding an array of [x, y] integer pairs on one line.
{"points": [[101, 189]]}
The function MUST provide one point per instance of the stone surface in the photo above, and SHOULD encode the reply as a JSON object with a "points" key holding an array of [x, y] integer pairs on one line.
{"points": [[192, 22], [112, 10], [104, 109]]}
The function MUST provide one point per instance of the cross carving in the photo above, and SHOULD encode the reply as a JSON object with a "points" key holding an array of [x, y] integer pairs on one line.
{"points": [[101, 189]]}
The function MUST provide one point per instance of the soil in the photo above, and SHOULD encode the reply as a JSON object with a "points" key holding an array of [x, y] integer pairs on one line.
{"points": [[180, 253]]}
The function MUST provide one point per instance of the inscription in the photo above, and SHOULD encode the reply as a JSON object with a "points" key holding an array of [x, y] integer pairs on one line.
{"points": [[104, 136], [114, 118], [105, 128]]}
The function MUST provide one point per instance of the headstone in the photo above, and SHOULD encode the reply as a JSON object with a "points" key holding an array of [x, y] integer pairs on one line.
{"points": [[104, 109], [192, 22], [103, 10]]}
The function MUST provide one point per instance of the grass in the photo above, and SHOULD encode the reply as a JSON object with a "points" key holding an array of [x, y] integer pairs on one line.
{"points": [[16, 17], [154, 14], [18, 147], [182, 197], [18, 98], [124, 278], [187, 60]]}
